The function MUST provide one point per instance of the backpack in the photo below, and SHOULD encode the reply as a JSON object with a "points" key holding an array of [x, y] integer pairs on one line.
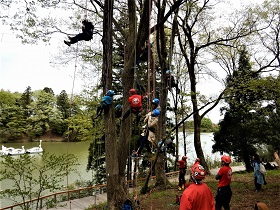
{"points": [[127, 205], [262, 168]]}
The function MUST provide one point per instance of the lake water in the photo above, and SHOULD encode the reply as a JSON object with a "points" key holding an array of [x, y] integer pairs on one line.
{"points": [[80, 150]]}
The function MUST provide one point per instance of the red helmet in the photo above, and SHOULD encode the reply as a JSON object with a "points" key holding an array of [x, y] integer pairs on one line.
{"points": [[226, 159], [198, 172], [184, 158], [132, 91]]}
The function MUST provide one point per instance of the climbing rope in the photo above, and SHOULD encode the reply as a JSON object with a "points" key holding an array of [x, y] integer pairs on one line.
{"points": [[70, 113]]}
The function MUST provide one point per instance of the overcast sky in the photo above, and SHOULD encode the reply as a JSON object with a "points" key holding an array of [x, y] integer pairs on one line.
{"points": [[29, 65]]}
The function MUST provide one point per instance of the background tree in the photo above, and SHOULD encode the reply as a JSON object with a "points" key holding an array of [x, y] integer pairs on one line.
{"points": [[29, 179], [235, 134]]}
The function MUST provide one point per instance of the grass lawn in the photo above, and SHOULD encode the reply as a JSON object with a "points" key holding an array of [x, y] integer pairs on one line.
{"points": [[242, 185]]}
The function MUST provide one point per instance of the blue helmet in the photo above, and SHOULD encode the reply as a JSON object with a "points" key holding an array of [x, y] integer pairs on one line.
{"points": [[110, 93], [156, 112], [168, 72], [155, 101], [118, 107]]}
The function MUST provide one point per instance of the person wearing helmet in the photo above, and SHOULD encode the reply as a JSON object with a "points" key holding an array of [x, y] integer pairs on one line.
{"points": [[143, 55], [197, 196], [118, 111], [151, 121], [105, 102], [196, 162], [135, 102], [182, 167], [87, 32], [170, 81], [224, 192], [155, 104]]}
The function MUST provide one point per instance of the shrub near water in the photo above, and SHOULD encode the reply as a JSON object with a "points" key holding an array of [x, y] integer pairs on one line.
{"points": [[30, 180]]}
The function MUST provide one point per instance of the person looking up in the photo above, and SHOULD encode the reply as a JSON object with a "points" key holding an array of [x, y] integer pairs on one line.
{"points": [[197, 196], [182, 167], [224, 192]]}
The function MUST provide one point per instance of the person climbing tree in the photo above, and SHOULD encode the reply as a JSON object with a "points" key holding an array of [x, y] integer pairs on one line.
{"points": [[155, 104], [87, 32], [144, 53], [148, 136], [168, 145], [105, 102], [118, 111], [182, 167], [151, 120], [142, 142], [135, 102], [170, 81]]}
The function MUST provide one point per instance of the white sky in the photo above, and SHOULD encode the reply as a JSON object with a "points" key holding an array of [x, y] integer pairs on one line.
{"points": [[29, 65]]}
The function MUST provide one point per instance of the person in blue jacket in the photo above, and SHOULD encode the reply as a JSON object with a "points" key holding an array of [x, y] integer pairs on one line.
{"points": [[106, 101], [258, 176]]}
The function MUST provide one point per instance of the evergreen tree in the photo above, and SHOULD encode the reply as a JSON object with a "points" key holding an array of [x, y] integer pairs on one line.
{"points": [[63, 104], [235, 133]]}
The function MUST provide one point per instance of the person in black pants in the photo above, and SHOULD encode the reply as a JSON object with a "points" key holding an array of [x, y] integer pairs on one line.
{"points": [[86, 35], [224, 192]]}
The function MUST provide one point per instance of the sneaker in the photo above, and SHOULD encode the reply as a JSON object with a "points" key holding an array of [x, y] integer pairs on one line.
{"points": [[67, 43]]}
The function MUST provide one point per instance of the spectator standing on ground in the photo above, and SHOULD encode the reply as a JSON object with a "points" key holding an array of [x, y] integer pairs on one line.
{"points": [[197, 196], [182, 167], [277, 159], [224, 192], [258, 177]]}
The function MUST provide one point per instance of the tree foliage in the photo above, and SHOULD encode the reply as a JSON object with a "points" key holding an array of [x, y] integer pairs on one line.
{"points": [[247, 116], [29, 179]]}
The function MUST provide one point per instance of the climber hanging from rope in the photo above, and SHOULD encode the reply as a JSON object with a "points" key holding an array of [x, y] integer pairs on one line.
{"points": [[144, 53], [135, 102], [105, 102], [87, 32], [148, 136], [170, 81]]}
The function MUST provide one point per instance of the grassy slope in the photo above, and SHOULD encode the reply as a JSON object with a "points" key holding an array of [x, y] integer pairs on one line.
{"points": [[244, 196]]}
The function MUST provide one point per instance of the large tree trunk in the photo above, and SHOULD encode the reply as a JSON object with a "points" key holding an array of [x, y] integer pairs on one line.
{"points": [[114, 189], [161, 179], [196, 116]]}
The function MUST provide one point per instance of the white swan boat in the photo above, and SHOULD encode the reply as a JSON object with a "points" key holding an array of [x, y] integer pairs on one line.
{"points": [[6, 150], [17, 151], [33, 150]]}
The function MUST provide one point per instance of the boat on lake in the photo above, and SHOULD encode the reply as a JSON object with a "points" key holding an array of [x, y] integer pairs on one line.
{"points": [[34, 150], [17, 151]]}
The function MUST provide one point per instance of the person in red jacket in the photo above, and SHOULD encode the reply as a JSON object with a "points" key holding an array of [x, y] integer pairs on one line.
{"points": [[197, 196], [224, 192], [182, 167], [135, 102]]}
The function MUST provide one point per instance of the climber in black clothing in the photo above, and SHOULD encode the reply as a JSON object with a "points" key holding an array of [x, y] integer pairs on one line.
{"points": [[86, 35], [170, 81]]}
